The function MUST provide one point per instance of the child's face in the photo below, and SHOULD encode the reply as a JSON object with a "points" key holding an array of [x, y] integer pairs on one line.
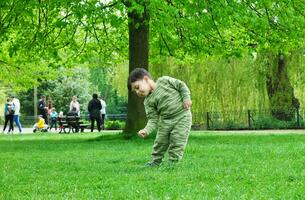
{"points": [[141, 87]]}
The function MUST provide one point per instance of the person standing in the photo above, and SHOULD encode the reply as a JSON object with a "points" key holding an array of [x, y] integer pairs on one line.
{"points": [[8, 115], [53, 118], [42, 108], [168, 107], [94, 108], [103, 113], [49, 109], [74, 106], [16, 119]]}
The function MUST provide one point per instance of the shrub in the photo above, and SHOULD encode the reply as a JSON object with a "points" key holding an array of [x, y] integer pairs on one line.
{"points": [[272, 123], [114, 125]]}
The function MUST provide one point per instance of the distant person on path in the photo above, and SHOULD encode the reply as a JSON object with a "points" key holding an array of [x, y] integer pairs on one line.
{"points": [[42, 108], [16, 119], [103, 113], [49, 109], [53, 118], [74, 106], [8, 115], [94, 108], [167, 105]]}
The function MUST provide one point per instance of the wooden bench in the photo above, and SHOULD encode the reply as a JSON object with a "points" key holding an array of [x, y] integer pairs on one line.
{"points": [[71, 123], [82, 126]]}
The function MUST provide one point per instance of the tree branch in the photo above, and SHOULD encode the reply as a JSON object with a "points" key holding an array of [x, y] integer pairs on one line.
{"points": [[110, 5], [168, 49], [95, 33], [84, 44]]}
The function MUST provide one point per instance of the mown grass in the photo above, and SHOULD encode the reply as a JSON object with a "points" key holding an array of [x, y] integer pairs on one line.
{"points": [[105, 166]]}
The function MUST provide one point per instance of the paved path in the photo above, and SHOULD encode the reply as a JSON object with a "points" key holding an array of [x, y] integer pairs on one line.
{"points": [[30, 130]]}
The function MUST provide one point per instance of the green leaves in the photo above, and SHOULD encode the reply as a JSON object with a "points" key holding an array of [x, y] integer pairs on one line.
{"points": [[75, 31]]}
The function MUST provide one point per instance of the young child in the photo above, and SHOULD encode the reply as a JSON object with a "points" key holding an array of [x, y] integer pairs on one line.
{"points": [[167, 105], [40, 125], [53, 117]]}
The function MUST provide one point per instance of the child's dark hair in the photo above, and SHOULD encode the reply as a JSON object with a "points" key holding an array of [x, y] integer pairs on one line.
{"points": [[135, 75]]}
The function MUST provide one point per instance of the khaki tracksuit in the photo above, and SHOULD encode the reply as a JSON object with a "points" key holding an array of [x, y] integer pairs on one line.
{"points": [[164, 108]]}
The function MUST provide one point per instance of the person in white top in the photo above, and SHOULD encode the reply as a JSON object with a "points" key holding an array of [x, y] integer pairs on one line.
{"points": [[16, 103], [103, 112], [74, 106]]}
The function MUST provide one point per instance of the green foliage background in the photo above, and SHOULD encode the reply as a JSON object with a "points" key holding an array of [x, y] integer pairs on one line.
{"points": [[208, 44]]}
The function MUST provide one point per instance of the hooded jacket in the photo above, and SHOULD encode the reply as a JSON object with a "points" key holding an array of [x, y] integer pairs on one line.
{"points": [[94, 108]]}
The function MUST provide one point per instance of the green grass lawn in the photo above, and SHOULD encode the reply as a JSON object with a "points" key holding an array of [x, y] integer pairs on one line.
{"points": [[99, 166]]}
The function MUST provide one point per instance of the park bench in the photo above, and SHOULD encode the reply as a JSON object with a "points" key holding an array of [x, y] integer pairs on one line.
{"points": [[71, 123], [75, 124]]}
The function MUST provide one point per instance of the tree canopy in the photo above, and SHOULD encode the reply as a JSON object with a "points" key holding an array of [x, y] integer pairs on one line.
{"points": [[51, 33]]}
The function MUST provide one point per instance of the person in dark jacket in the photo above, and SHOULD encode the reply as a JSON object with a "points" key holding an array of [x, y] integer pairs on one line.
{"points": [[94, 108], [9, 111], [42, 108]]}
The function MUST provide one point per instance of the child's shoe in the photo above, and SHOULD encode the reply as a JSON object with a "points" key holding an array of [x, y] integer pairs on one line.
{"points": [[152, 164], [173, 163]]}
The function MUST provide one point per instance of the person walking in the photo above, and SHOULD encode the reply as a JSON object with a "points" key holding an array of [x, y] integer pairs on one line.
{"points": [[16, 119]]}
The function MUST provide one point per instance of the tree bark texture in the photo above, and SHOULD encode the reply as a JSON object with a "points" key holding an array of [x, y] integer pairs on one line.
{"points": [[138, 57]]}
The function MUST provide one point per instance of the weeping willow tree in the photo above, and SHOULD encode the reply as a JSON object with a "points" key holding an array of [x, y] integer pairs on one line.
{"points": [[219, 85], [296, 63]]}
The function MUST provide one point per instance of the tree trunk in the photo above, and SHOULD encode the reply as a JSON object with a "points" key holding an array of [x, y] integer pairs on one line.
{"points": [[138, 57], [280, 91]]}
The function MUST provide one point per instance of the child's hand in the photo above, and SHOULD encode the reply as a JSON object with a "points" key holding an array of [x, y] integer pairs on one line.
{"points": [[187, 104], [142, 133]]}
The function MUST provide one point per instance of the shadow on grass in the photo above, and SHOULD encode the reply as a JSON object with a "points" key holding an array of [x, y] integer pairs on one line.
{"points": [[58, 139], [72, 143], [66, 139], [103, 138], [117, 139]]}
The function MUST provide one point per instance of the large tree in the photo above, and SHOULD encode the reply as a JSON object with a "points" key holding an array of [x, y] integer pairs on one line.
{"points": [[138, 27]]}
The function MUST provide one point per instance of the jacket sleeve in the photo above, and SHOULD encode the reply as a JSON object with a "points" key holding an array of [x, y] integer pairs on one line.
{"points": [[40, 105], [179, 86], [70, 109], [100, 105], [152, 116], [77, 107], [5, 109], [89, 106]]}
